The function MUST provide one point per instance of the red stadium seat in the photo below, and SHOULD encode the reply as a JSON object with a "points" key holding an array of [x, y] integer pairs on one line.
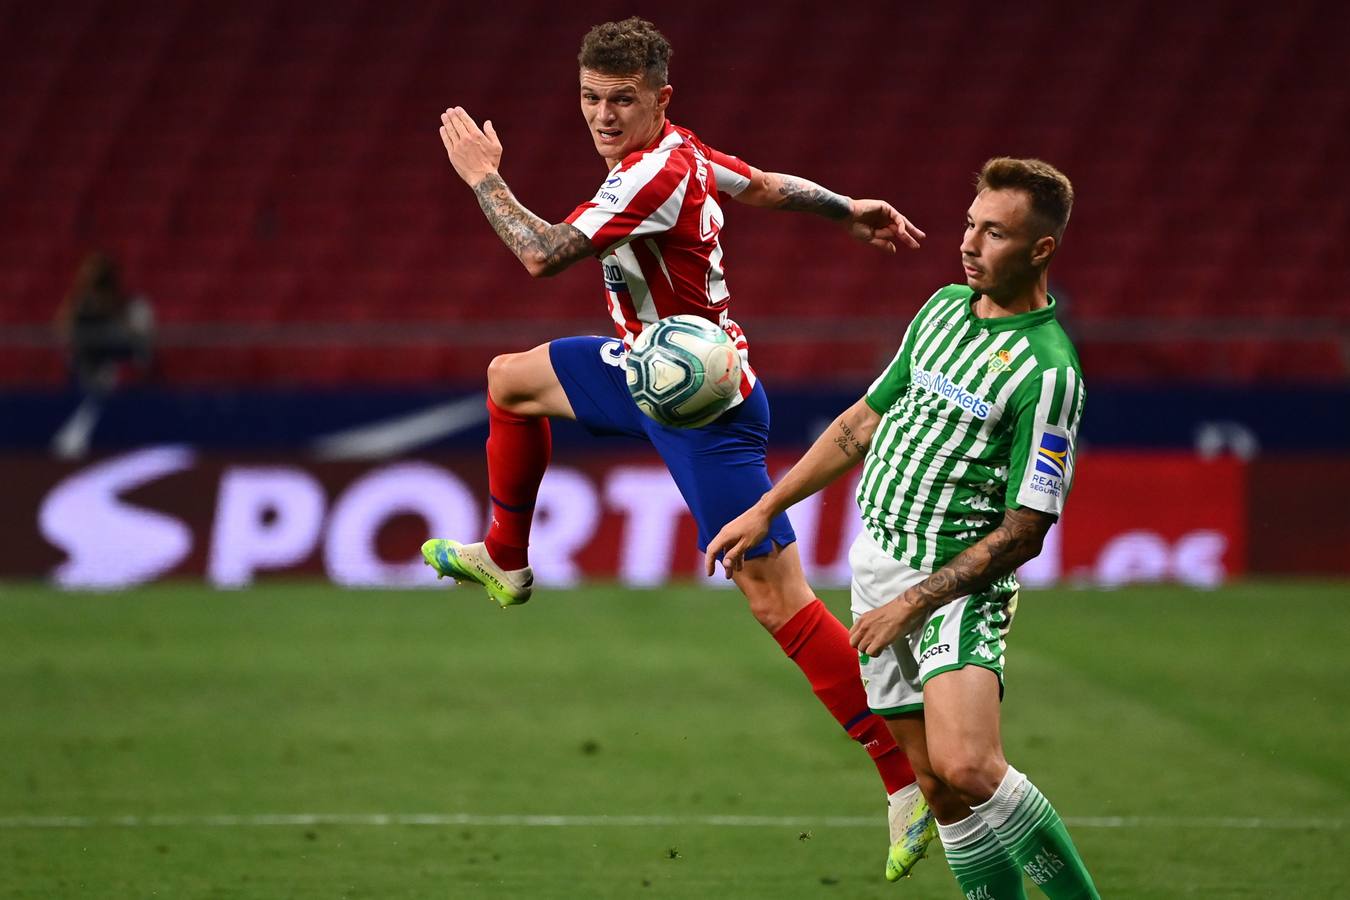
{"points": [[280, 164]]}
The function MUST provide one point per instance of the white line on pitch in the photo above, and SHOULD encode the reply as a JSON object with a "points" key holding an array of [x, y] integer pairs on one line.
{"points": [[539, 821]]}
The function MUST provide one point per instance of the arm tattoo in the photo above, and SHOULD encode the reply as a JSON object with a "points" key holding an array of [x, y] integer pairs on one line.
{"points": [[847, 439], [527, 235], [1017, 539], [800, 195]]}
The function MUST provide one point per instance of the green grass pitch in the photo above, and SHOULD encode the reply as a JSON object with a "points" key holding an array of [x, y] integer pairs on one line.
{"points": [[1197, 743]]}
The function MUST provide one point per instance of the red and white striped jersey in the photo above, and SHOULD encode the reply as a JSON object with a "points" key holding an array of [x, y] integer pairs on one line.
{"points": [[654, 224]]}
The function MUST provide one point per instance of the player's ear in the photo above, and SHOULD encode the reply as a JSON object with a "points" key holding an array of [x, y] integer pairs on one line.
{"points": [[663, 97], [1042, 250]]}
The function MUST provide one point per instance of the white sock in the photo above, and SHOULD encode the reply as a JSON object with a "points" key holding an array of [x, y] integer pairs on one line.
{"points": [[970, 830], [998, 808]]}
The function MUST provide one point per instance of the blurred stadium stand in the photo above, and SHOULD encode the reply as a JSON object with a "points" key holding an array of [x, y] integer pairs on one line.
{"points": [[270, 175]]}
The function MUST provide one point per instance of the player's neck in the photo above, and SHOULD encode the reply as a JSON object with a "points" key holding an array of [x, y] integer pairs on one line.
{"points": [[1017, 301], [653, 138]]}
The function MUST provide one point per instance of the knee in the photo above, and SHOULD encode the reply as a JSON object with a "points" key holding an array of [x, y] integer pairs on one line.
{"points": [[503, 382], [773, 600], [973, 778], [942, 799], [770, 609]]}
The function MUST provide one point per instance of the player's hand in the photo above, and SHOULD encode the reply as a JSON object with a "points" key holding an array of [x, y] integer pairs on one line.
{"points": [[736, 538], [474, 152], [877, 629], [876, 222]]}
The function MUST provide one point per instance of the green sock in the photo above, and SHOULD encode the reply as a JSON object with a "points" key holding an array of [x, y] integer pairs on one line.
{"points": [[981, 865], [1036, 838]]}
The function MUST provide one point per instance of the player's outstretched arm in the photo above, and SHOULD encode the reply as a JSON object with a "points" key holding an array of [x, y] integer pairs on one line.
{"points": [[841, 447], [873, 222], [476, 153], [1015, 541]]}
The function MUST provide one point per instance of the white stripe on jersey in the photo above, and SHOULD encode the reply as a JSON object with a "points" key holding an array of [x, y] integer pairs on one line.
{"points": [[729, 181], [664, 218]]}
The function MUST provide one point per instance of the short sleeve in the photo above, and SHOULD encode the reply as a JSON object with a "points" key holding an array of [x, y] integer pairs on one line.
{"points": [[732, 173], [1045, 440], [891, 384], [634, 202]]}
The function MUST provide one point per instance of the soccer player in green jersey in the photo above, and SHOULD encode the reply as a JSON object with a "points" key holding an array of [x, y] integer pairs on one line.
{"points": [[967, 442]]}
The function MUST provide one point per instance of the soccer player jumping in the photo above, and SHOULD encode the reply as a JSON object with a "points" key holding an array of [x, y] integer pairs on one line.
{"points": [[967, 443], [654, 224]]}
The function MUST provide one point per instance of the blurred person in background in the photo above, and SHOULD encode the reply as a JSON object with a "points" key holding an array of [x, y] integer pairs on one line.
{"points": [[654, 225], [109, 333], [108, 330]]}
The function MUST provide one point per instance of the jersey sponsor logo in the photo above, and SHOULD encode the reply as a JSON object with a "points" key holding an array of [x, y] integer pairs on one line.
{"points": [[928, 644], [952, 392], [935, 650], [1052, 458], [607, 196], [614, 280], [613, 181], [1052, 454]]}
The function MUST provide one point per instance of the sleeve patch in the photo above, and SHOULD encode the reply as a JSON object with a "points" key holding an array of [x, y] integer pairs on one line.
{"points": [[1043, 483]]}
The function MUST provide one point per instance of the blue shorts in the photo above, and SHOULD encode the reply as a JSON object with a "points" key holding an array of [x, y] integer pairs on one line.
{"points": [[719, 468]]}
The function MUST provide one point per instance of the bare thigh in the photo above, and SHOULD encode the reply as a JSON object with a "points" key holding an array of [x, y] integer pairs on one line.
{"points": [[961, 717], [526, 384]]}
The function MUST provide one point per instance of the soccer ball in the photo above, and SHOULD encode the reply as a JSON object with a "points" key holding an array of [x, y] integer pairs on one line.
{"points": [[683, 371]]}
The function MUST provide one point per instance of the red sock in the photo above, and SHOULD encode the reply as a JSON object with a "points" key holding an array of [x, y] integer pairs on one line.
{"points": [[818, 643], [518, 450]]}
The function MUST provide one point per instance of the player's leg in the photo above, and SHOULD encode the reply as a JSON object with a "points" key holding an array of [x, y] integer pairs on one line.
{"points": [[962, 721], [527, 385], [721, 472], [809, 634], [892, 690], [524, 389], [896, 690], [978, 860]]}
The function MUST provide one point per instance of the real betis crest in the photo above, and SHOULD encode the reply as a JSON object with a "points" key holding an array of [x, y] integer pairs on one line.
{"points": [[998, 360]]}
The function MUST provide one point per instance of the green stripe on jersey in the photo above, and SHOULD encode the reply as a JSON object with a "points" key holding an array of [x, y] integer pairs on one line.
{"points": [[977, 415]]}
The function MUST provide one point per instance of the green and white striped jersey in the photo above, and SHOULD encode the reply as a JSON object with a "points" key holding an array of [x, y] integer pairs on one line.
{"points": [[977, 416]]}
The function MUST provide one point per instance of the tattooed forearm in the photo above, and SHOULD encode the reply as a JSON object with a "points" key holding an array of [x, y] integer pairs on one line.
{"points": [[801, 195], [849, 444], [543, 248], [1017, 539]]}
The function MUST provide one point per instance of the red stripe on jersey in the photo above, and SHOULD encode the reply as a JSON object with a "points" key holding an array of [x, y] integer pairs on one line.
{"points": [[641, 209]]}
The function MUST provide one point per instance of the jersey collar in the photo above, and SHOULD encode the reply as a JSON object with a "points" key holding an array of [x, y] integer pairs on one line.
{"points": [[1011, 323]]}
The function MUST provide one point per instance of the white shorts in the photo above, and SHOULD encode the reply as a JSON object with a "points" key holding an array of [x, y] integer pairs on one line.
{"points": [[968, 631]]}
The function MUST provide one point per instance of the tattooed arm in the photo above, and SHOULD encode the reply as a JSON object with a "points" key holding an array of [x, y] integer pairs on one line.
{"points": [[476, 153], [1015, 541], [778, 191], [841, 447], [544, 249], [873, 222]]}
